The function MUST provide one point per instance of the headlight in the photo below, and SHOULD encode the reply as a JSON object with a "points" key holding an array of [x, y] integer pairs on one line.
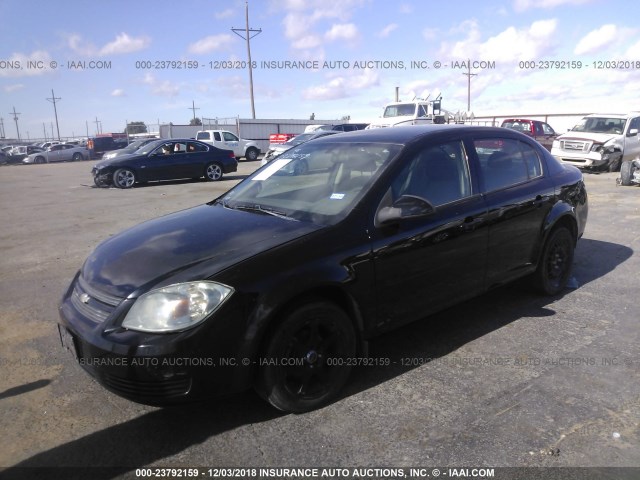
{"points": [[176, 307], [555, 144]]}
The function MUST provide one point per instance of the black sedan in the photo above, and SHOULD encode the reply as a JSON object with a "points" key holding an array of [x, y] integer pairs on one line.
{"points": [[165, 160], [280, 282]]}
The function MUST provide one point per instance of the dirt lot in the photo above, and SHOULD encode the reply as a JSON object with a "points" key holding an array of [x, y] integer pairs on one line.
{"points": [[514, 379]]}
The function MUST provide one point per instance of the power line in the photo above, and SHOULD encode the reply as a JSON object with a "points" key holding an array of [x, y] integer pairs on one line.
{"points": [[15, 119], [469, 75], [53, 100], [248, 36], [193, 107]]}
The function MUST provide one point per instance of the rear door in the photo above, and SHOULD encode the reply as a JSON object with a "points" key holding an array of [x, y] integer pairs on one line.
{"points": [[519, 197]]}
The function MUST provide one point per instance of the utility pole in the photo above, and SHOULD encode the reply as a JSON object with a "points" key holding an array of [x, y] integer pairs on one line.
{"points": [[193, 107], [469, 75], [53, 100], [44, 129], [87, 124], [15, 119], [97, 122], [2, 128], [249, 34]]}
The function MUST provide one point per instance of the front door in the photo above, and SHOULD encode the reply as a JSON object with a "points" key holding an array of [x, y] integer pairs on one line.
{"points": [[428, 263]]}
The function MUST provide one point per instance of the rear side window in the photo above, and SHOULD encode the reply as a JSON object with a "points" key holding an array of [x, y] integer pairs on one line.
{"points": [[203, 136], [505, 162], [196, 147], [546, 128]]}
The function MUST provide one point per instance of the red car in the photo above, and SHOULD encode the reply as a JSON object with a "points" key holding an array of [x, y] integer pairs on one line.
{"points": [[540, 131]]}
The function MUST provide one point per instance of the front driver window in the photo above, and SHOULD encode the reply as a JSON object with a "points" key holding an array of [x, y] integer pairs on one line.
{"points": [[439, 174]]}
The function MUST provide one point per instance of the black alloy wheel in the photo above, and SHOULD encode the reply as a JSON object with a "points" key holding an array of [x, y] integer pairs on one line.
{"points": [[554, 269], [306, 360]]}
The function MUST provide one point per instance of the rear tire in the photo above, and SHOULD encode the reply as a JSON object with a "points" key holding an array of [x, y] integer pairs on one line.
{"points": [[319, 338], [77, 157], [39, 160], [556, 262], [213, 172], [251, 154], [626, 173]]}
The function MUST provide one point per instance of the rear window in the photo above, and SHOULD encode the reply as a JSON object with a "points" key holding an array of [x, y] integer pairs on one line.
{"points": [[505, 162]]}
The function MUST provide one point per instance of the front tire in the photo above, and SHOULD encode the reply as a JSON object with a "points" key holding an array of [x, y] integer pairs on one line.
{"points": [[615, 165], [124, 178], [251, 154], [556, 262], [305, 360], [626, 173], [213, 172]]}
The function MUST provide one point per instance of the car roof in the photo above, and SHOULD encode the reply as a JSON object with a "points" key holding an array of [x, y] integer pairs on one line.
{"points": [[403, 135], [614, 115]]}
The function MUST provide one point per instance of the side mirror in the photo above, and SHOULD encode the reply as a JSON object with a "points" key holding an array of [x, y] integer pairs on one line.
{"points": [[633, 132], [407, 206]]}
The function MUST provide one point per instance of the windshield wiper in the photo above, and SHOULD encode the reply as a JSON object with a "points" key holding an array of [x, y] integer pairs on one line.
{"points": [[259, 208]]}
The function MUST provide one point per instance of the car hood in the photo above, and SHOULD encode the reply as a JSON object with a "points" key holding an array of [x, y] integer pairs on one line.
{"points": [[392, 121], [189, 245], [116, 161], [588, 136]]}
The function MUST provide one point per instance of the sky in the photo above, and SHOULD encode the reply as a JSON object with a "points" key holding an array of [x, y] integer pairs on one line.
{"points": [[152, 61]]}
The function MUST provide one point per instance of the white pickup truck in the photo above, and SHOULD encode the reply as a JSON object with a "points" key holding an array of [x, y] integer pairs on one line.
{"points": [[228, 141], [416, 112], [600, 142]]}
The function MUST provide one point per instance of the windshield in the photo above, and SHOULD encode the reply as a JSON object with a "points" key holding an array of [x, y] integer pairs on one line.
{"points": [[400, 110], [149, 147], [600, 125], [314, 182]]}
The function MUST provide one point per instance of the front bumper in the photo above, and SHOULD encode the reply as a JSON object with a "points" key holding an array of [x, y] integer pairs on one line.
{"points": [[154, 369], [589, 160]]}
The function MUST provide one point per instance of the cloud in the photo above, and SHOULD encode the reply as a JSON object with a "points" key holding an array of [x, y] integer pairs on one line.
{"points": [[123, 43], [13, 88], [386, 31], [343, 86], [522, 5], [510, 45], [212, 43], [118, 92], [162, 89], [303, 16], [22, 65], [345, 31], [224, 14], [597, 40]]}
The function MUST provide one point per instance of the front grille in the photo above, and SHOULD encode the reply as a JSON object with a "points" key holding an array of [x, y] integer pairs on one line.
{"points": [[91, 303], [575, 146], [159, 389]]}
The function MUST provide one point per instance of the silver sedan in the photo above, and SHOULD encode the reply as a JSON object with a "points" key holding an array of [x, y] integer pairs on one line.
{"points": [[58, 153]]}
